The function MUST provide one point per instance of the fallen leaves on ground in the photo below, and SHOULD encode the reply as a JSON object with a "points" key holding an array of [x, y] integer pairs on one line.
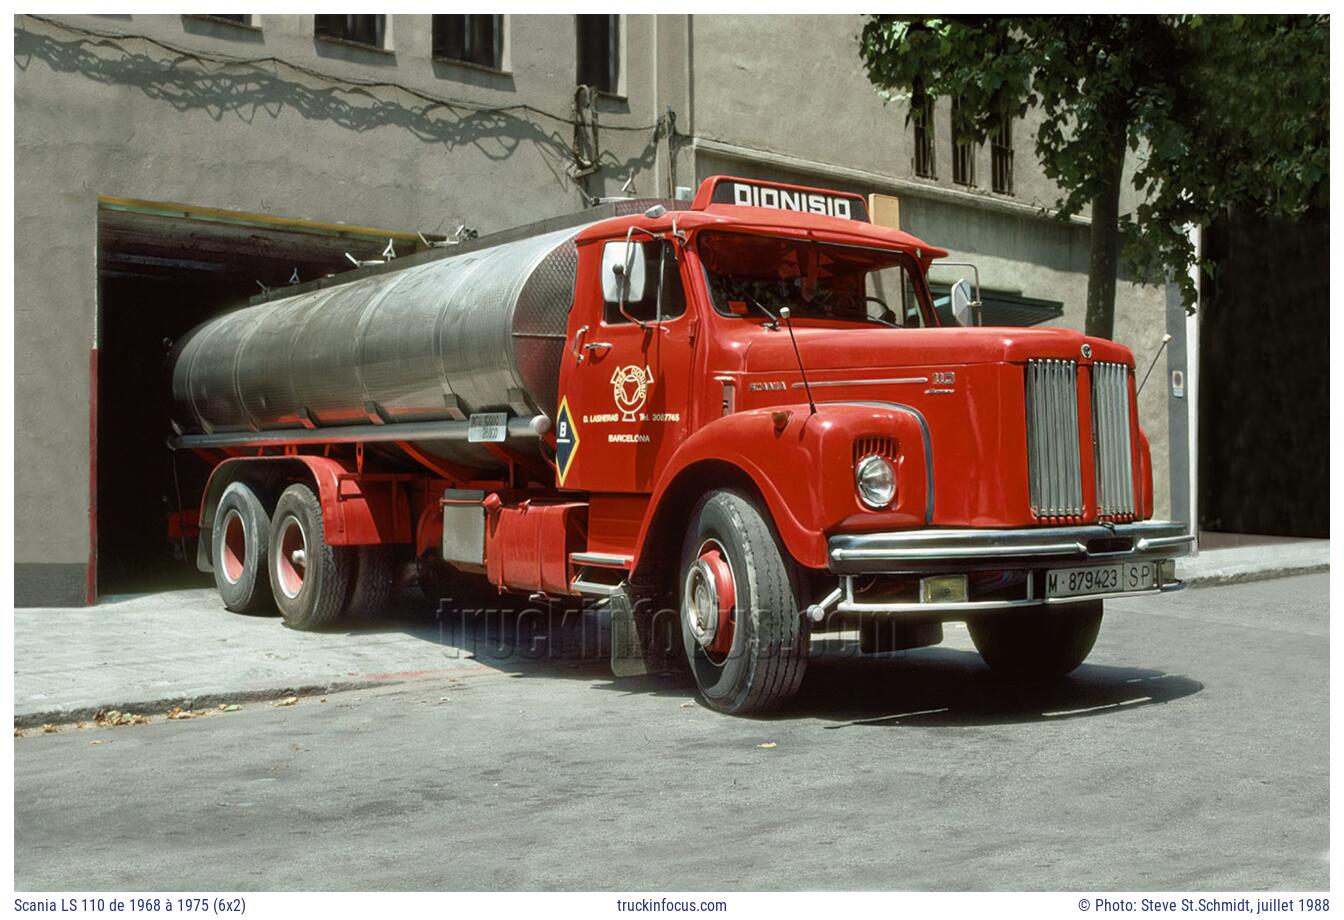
{"points": [[768, 744], [287, 701], [178, 713], [105, 717], [18, 733], [229, 707], [49, 729], [99, 741]]}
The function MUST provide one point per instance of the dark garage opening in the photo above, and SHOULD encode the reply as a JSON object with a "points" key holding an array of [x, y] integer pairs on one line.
{"points": [[162, 269], [1264, 395]]}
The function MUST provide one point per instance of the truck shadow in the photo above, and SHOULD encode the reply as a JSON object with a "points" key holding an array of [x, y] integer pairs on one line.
{"points": [[930, 687], [944, 687]]}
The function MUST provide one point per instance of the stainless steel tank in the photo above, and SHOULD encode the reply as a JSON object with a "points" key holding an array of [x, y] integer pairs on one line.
{"points": [[481, 331]]}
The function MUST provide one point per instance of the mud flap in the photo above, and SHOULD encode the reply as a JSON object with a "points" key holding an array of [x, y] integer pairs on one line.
{"points": [[627, 652], [643, 640]]}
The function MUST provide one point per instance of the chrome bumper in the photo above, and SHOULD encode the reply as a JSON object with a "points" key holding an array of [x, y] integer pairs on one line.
{"points": [[926, 550]]}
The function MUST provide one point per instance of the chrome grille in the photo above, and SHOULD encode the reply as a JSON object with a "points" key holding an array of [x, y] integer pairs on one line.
{"points": [[1053, 462], [1111, 440]]}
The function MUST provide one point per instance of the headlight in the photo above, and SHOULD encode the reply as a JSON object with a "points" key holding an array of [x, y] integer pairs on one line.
{"points": [[876, 481]]}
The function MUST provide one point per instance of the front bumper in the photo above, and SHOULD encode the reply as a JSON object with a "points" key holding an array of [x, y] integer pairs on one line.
{"points": [[944, 548], [1030, 552]]}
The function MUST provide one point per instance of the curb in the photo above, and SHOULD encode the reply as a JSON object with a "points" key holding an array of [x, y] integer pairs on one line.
{"points": [[1239, 574], [197, 701]]}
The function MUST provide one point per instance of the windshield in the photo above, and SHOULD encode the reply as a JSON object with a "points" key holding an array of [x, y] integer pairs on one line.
{"points": [[757, 275]]}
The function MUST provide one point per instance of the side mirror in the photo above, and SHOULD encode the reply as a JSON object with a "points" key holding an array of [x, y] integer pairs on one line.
{"points": [[965, 304], [622, 271]]}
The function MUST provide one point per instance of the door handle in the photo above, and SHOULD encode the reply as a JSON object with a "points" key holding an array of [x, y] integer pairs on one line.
{"points": [[593, 346], [578, 336]]}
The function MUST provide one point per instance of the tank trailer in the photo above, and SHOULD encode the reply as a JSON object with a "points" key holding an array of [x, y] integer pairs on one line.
{"points": [[735, 424]]}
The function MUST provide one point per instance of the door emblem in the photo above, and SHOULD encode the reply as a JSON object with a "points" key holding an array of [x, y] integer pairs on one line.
{"points": [[630, 386], [566, 441], [1087, 350]]}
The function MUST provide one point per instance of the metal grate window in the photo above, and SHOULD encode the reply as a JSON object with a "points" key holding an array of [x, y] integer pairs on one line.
{"points": [[963, 154], [1054, 463], [926, 161], [1001, 159], [599, 52], [1112, 445], [474, 39], [368, 30]]}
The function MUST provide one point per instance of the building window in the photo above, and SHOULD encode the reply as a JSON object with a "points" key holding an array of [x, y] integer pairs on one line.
{"points": [[472, 39], [1001, 158], [599, 52], [238, 19], [362, 30], [921, 112], [963, 154]]}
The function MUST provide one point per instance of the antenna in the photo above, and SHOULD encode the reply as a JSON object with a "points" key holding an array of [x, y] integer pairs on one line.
{"points": [[807, 388], [1165, 339]]}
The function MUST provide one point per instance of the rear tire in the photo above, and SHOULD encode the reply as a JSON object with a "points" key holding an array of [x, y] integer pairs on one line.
{"points": [[375, 583], [310, 579], [238, 551], [757, 654], [1041, 642]]}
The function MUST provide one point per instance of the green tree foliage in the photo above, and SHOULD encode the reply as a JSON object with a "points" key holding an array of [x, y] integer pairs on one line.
{"points": [[1219, 111]]}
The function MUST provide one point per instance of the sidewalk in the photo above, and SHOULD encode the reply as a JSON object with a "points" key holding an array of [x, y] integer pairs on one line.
{"points": [[147, 653], [1254, 561]]}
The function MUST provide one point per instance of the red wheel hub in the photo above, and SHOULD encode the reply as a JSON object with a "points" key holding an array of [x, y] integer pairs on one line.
{"points": [[711, 597]]}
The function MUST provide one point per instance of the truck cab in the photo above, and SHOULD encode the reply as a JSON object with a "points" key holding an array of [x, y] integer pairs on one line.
{"points": [[759, 395]]}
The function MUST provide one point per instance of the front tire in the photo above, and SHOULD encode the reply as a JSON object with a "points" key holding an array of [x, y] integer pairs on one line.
{"points": [[745, 637], [310, 578], [1037, 642]]}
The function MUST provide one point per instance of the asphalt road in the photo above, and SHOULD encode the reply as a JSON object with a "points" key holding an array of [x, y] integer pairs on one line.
{"points": [[1189, 753]]}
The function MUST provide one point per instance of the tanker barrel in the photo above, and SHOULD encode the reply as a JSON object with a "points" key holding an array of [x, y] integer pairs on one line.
{"points": [[408, 355]]}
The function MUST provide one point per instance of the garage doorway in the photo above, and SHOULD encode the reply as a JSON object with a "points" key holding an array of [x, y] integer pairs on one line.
{"points": [[163, 268], [1264, 394]]}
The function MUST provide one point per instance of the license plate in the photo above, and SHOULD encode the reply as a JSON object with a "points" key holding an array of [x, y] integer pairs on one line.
{"points": [[1119, 578], [487, 427]]}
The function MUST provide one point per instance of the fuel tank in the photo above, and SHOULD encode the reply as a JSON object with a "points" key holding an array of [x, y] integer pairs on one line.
{"points": [[476, 332]]}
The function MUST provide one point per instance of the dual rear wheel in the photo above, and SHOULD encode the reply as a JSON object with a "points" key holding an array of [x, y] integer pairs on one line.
{"points": [[283, 561]]}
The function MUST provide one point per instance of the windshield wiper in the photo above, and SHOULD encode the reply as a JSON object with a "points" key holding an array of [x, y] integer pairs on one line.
{"points": [[774, 320]]}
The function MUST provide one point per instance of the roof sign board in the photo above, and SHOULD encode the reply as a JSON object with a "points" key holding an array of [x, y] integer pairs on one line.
{"points": [[753, 194]]}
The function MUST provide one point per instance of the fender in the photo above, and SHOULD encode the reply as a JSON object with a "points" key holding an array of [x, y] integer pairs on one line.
{"points": [[803, 467], [356, 510], [1145, 506]]}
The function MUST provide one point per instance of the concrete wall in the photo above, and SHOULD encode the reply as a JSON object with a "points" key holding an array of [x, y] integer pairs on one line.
{"points": [[107, 115], [117, 121]]}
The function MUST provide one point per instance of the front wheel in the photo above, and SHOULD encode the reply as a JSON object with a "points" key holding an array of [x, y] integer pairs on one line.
{"points": [[741, 620], [1040, 642]]}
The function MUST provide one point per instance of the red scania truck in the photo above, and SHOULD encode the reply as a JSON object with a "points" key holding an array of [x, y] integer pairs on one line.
{"points": [[746, 416]]}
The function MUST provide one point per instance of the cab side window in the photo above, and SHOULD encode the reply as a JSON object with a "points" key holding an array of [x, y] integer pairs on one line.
{"points": [[663, 296]]}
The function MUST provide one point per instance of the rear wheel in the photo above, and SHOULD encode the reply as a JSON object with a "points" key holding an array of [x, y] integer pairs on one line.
{"points": [[310, 578], [375, 583], [238, 543], [744, 634], [1042, 642]]}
